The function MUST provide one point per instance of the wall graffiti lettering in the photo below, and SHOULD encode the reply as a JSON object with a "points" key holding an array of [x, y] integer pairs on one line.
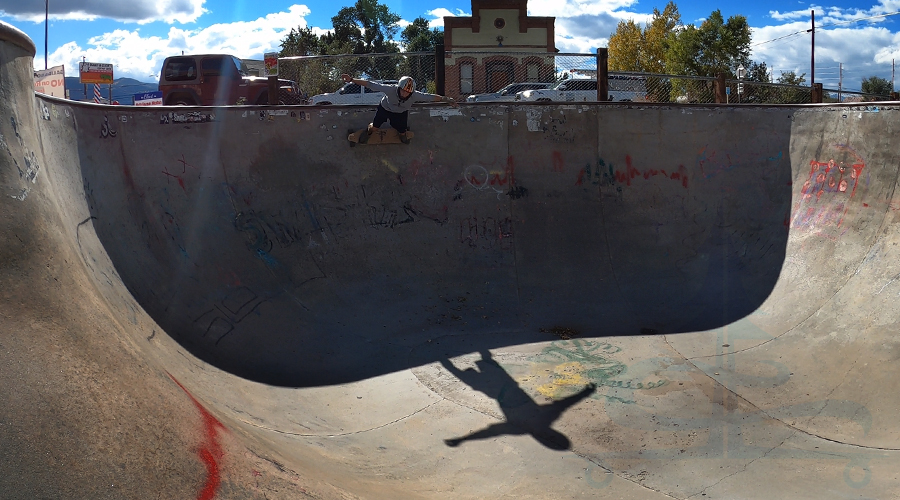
{"points": [[191, 117], [602, 175], [486, 232], [829, 188], [105, 130], [264, 233], [381, 216], [220, 320], [501, 182], [608, 175]]}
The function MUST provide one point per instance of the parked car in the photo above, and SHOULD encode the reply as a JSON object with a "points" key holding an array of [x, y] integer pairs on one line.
{"points": [[507, 93], [579, 89], [218, 80], [624, 87], [351, 93], [583, 90]]}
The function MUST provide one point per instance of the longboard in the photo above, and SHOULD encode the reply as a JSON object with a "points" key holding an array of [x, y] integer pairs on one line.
{"points": [[379, 136]]}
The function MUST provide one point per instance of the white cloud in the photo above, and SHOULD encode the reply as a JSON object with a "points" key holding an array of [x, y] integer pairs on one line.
{"points": [[844, 55], [136, 56], [136, 11], [572, 8], [440, 14]]}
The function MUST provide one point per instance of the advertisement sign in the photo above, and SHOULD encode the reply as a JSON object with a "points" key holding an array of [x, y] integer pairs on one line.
{"points": [[271, 61], [95, 73], [51, 81], [148, 99]]}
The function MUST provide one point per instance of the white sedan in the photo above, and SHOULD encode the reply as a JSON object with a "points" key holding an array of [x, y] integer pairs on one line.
{"points": [[351, 93]]}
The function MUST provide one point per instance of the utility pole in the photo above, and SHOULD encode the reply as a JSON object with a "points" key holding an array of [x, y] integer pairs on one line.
{"points": [[840, 82], [46, 29], [812, 52]]}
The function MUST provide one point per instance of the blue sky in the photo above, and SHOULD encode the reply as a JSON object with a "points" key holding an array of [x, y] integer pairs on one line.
{"points": [[860, 36]]}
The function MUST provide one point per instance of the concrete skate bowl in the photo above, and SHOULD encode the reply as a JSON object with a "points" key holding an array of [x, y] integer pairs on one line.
{"points": [[421, 321]]}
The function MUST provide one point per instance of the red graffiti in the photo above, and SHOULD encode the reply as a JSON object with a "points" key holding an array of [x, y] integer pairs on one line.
{"points": [[479, 176], [126, 170], [824, 197], [184, 166], [631, 173], [558, 162], [210, 452]]}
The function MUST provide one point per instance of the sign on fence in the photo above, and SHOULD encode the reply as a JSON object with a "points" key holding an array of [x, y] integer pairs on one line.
{"points": [[51, 81], [271, 62], [95, 73], [149, 99]]}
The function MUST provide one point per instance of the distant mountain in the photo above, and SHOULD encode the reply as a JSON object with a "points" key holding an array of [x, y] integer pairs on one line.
{"points": [[123, 89]]}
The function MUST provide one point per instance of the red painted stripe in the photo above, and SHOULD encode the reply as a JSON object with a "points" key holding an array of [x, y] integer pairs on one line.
{"points": [[211, 452]]}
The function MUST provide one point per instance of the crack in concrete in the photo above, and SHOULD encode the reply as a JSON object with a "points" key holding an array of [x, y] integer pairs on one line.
{"points": [[298, 434], [789, 426]]}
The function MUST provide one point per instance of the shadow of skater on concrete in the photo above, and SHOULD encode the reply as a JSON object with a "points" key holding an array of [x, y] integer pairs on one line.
{"points": [[522, 414]]}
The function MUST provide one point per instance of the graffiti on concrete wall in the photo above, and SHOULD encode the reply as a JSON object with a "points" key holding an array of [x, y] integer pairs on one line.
{"points": [[106, 131], [486, 232], [604, 174], [220, 320], [827, 192], [211, 452]]}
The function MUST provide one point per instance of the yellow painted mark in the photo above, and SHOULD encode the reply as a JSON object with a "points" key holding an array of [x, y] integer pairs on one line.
{"points": [[391, 167], [563, 378]]}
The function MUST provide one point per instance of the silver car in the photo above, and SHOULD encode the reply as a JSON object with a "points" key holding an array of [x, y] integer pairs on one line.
{"points": [[507, 93], [351, 93]]}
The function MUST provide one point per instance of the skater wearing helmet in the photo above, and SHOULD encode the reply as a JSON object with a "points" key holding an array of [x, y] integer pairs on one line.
{"points": [[395, 104]]}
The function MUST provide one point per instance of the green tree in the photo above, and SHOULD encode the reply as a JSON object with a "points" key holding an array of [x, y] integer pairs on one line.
{"points": [[633, 49], [757, 72], [791, 78], [797, 95], [655, 39], [625, 47], [715, 47], [300, 42], [364, 28], [877, 85], [369, 26], [419, 37]]}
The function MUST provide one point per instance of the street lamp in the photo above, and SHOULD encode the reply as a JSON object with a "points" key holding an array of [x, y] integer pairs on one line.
{"points": [[740, 74]]}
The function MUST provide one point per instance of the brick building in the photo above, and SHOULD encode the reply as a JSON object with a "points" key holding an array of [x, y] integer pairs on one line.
{"points": [[481, 49]]}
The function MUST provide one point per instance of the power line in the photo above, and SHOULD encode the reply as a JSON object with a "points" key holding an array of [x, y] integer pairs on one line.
{"points": [[826, 26], [779, 38], [858, 20]]}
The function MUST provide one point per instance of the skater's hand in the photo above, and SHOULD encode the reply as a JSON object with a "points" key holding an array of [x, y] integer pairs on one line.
{"points": [[347, 78]]}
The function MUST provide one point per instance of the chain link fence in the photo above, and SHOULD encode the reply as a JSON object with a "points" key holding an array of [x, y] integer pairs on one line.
{"points": [[322, 74], [468, 73]]}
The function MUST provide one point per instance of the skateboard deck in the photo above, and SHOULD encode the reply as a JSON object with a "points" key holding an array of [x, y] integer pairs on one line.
{"points": [[379, 136]]}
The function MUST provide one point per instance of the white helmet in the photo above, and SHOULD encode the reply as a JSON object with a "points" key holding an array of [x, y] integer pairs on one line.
{"points": [[406, 83]]}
